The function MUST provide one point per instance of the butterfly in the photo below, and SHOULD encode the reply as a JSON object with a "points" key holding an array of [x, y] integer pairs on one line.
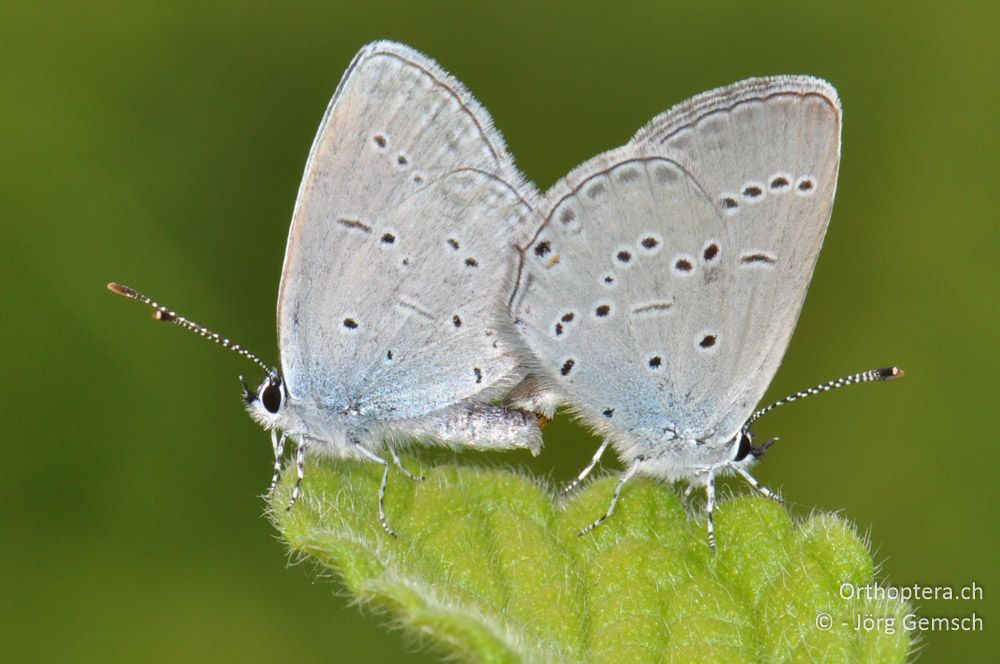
{"points": [[667, 276], [400, 259]]}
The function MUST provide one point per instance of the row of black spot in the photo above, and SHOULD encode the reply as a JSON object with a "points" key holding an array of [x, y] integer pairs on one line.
{"points": [[389, 238], [382, 143], [655, 362], [476, 371], [544, 248], [352, 324], [709, 254], [470, 261], [601, 311], [566, 318], [777, 185]]}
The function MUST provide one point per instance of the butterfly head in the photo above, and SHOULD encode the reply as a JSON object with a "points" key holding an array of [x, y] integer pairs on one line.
{"points": [[745, 452], [266, 404]]}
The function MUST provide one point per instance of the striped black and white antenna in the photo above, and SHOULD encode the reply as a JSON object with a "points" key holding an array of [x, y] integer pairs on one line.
{"points": [[166, 315], [875, 375]]}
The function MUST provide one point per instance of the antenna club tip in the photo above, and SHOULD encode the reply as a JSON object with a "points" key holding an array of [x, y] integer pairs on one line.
{"points": [[891, 373], [119, 289]]}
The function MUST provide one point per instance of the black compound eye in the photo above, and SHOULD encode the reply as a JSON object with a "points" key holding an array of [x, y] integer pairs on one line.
{"points": [[746, 446], [270, 396]]}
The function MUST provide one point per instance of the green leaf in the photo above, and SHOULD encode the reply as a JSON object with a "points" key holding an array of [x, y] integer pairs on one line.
{"points": [[491, 568]]}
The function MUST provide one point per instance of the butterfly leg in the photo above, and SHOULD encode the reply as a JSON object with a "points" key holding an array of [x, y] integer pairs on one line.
{"points": [[586, 471], [614, 497], [687, 493], [279, 452], [399, 464], [300, 472], [709, 508], [763, 490], [368, 454]]}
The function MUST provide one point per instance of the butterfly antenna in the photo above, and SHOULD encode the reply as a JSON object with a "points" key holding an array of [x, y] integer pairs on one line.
{"points": [[166, 315], [889, 373]]}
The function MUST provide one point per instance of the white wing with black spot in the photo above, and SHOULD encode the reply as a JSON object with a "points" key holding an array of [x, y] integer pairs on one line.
{"points": [[402, 247], [662, 290]]}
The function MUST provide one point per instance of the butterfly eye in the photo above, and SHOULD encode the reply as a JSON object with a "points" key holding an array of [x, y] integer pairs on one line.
{"points": [[271, 396], [746, 446]]}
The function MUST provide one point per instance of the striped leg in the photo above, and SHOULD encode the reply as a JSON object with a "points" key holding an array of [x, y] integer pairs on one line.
{"points": [[687, 493], [300, 471], [368, 454], [614, 497], [279, 452], [752, 481], [709, 508], [399, 464], [586, 471]]}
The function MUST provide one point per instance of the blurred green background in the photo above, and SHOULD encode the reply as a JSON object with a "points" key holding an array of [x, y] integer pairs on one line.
{"points": [[161, 144]]}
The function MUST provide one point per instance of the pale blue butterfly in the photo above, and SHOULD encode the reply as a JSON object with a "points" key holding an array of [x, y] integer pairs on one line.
{"points": [[400, 259], [663, 287]]}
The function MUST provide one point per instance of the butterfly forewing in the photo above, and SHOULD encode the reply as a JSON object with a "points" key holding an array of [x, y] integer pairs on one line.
{"points": [[402, 245], [766, 152]]}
